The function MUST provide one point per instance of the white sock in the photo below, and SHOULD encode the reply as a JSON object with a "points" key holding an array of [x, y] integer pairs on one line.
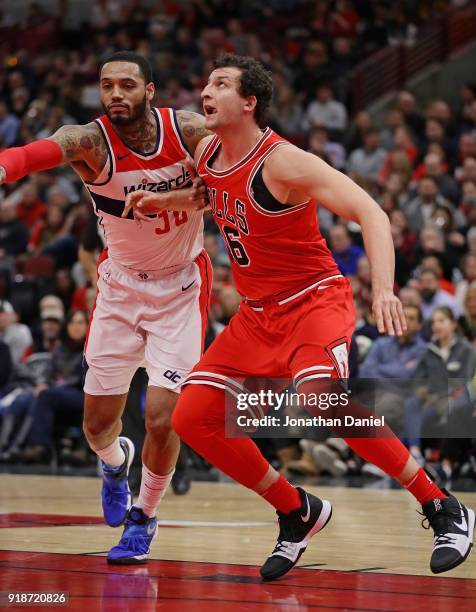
{"points": [[112, 455], [152, 489]]}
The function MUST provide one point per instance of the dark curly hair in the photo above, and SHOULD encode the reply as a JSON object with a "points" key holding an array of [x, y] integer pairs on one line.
{"points": [[255, 81]]}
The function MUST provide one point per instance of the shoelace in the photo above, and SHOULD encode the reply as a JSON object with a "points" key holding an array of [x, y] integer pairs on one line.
{"points": [[440, 522], [288, 548]]}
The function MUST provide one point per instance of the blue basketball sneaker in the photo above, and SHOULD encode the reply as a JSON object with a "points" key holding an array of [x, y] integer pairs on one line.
{"points": [[116, 494], [134, 546]]}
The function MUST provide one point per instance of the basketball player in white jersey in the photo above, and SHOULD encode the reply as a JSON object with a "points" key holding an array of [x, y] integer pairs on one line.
{"points": [[153, 281]]}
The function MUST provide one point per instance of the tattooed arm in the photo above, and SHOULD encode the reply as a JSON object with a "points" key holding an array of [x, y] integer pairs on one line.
{"points": [[192, 127], [83, 147], [80, 145]]}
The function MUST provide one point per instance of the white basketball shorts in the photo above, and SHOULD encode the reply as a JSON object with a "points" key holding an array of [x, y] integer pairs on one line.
{"points": [[139, 321]]}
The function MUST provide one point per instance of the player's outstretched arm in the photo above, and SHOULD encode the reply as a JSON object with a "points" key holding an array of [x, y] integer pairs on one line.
{"points": [[71, 143], [290, 170]]}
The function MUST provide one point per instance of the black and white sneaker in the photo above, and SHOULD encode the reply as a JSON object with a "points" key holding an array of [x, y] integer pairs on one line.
{"points": [[295, 531], [453, 525]]}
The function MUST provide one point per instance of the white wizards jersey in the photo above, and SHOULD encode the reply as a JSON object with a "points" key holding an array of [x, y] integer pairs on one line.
{"points": [[173, 239]]}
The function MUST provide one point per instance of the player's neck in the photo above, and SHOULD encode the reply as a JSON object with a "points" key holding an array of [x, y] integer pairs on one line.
{"points": [[234, 148], [141, 135]]}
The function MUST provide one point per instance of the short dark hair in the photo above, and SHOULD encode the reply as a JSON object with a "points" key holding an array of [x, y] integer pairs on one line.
{"points": [[417, 309], [255, 81], [133, 58]]}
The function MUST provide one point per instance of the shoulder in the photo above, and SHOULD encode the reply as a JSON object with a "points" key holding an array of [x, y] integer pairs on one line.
{"points": [[192, 128], [201, 146], [286, 157]]}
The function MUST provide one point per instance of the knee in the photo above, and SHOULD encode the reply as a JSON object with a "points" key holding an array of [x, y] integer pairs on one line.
{"points": [[95, 426], [159, 425]]}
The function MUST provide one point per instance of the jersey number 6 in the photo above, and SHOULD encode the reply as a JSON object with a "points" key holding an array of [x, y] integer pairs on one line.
{"points": [[236, 249]]}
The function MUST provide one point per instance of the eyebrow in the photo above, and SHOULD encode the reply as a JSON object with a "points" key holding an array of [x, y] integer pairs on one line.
{"points": [[220, 76], [130, 79]]}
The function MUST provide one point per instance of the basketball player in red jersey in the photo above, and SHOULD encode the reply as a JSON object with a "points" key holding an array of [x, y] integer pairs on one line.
{"points": [[297, 316], [153, 281]]}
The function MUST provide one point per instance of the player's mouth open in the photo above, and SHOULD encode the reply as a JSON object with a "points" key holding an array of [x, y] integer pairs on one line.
{"points": [[209, 110]]}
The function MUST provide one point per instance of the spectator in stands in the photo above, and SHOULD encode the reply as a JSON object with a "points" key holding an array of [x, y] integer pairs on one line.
{"points": [[433, 297], [365, 163], [468, 267], [326, 111], [468, 321], [53, 236], [396, 357], [9, 127], [447, 186], [354, 137], [332, 152], [30, 208], [15, 334], [63, 395], [287, 113], [446, 362], [419, 210], [406, 103], [13, 232], [344, 251]]}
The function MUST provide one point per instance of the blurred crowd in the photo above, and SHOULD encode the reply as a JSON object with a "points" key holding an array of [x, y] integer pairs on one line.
{"points": [[420, 166]]}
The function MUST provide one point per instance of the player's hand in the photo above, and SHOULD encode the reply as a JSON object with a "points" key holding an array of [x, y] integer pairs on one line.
{"points": [[388, 313], [199, 193], [143, 203]]}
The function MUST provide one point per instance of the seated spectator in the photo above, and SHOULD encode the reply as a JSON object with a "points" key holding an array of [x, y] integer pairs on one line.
{"points": [[406, 103], [447, 361], [365, 163], [433, 263], [468, 267], [30, 208], [287, 113], [468, 321], [53, 237], [15, 334], [395, 119], [361, 124], [344, 251], [326, 111], [63, 395], [433, 297], [13, 232], [391, 360], [6, 366], [419, 210], [332, 152], [9, 127], [434, 166]]}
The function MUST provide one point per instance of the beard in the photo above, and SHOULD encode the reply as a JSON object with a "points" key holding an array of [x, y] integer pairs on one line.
{"points": [[427, 295], [137, 112]]}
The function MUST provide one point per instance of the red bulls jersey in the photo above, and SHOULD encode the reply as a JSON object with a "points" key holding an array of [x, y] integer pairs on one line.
{"points": [[273, 248], [174, 238]]}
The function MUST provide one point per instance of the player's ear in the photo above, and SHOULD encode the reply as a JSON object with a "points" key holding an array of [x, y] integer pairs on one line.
{"points": [[250, 103], [150, 91]]}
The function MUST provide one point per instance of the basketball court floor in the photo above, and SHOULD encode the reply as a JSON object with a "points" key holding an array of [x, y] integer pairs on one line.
{"points": [[373, 555]]}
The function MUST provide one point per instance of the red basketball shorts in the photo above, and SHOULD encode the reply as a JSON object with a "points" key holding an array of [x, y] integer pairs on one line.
{"points": [[303, 337]]}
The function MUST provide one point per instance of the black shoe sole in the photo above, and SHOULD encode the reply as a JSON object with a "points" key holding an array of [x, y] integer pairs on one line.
{"points": [[276, 575], [126, 561], [447, 568]]}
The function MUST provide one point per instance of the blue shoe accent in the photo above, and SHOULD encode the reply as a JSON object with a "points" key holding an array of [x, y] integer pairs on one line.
{"points": [[116, 494], [134, 546]]}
